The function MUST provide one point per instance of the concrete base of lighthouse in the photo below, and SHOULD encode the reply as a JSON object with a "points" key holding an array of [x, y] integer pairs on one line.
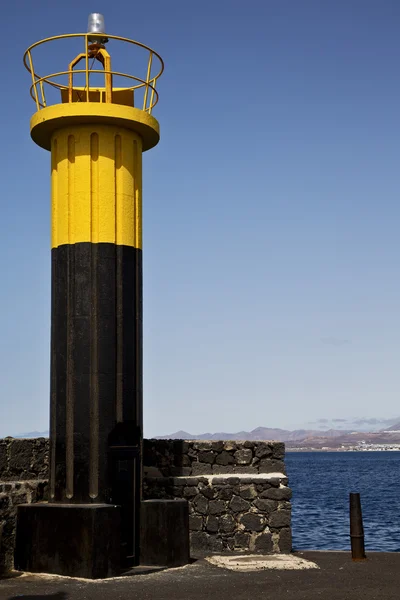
{"points": [[76, 540]]}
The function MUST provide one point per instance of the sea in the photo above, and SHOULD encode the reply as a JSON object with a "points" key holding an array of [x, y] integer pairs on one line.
{"points": [[321, 484]]}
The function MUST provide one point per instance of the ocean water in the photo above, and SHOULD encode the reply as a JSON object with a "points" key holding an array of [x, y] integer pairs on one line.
{"points": [[321, 483]]}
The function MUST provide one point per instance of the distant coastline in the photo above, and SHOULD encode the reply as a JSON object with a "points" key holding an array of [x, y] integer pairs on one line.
{"points": [[300, 440]]}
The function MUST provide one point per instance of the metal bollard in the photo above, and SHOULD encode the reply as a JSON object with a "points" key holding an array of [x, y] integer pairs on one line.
{"points": [[356, 528]]}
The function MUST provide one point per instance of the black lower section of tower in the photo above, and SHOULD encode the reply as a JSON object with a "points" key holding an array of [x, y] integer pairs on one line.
{"points": [[96, 380]]}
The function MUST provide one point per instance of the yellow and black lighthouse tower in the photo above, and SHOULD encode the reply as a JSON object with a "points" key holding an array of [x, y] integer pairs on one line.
{"points": [[96, 133]]}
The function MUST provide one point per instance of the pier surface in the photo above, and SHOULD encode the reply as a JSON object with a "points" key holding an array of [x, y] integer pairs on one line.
{"points": [[336, 578]]}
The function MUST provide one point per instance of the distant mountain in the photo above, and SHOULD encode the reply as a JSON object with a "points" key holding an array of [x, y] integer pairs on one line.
{"points": [[299, 438], [395, 427], [260, 433], [32, 434]]}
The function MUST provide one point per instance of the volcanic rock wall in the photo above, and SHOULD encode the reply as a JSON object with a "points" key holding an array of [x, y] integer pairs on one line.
{"points": [[237, 491]]}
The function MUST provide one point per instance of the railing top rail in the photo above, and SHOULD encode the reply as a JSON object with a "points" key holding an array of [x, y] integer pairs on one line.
{"points": [[89, 35]]}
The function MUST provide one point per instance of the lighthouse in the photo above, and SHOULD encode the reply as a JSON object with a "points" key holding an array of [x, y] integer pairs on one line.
{"points": [[96, 121]]}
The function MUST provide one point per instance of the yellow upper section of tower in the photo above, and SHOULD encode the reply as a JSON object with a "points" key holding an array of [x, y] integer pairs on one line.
{"points": [[96, 186]]}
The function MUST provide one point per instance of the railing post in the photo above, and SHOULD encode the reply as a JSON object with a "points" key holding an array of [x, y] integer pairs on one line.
{"points": [[152, 95], [87, 68], [147, 80], [33, 80]]}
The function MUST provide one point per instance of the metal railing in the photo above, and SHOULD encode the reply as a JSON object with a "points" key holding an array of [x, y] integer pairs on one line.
{"points": [[94, 51]]}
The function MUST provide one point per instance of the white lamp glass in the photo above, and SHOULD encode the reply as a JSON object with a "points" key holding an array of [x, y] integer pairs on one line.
{"points": [[96, 23]]}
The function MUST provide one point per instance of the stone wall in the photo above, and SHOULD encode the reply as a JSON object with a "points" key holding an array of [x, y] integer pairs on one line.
{"points": [[23, 478], [164, 458], [12, 494], [23, 459], [237, 490], [229, 513]]}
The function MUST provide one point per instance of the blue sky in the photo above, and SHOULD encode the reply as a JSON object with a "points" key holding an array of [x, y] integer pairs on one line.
{"points": [[271, 213]]}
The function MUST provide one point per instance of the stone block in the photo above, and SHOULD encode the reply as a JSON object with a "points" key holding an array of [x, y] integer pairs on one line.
{"points": [[21, 456], [271, 465], [219, 481], [207, 457], [245, 470], [176, 491], [222, 469], [227, 524], [249, 444], [178, 481], [183, 461], [202, 445], [248, 480], [238, 504], [230, 445], [40, 459], [193, 481], [261, 487], [263, 450], [285, 540], [190, 492], [21, 497], [201, 468], [195, 523], [278, 450], [215, 544], [200, 504], [275, 481], [203, 543], [281, 493], [217, 446], [248, 492], [199, 541], [224, 458], [267, 506], [280, 518], [5, 502], [232, 480], [3, 460], [225, 492], [242, 540], [243, 456], [180, 471], [212, 524], [253, 521], [263, 542], [229, 543], [208, 491], [216, 507]]}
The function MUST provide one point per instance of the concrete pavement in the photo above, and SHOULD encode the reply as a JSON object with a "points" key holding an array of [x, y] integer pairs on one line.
{"points": [[337, 578]]}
